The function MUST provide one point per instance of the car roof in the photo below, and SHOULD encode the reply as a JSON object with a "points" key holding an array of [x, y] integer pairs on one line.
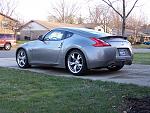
{"points": [[85, 32]]}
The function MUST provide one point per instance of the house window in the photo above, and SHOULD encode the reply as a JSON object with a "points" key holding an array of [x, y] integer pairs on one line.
{"points": [[5, 24]]}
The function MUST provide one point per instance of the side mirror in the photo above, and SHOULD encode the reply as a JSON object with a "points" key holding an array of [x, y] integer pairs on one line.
{"points": [[40, 37]]}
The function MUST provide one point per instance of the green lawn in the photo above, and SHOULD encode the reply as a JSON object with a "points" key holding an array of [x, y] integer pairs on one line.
{"points": [[27, 92], [142, 58], [22, 41], [138, 46]]}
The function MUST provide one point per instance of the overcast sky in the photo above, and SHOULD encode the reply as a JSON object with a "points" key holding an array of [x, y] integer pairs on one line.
{"points": [[39, 9]]}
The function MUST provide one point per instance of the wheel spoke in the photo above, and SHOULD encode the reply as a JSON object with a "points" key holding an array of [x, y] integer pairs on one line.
{"points": [[19, 57], [22, 62], [71, 63], [73, 57], [79, 65], [22, 53], [23, 57], [75, 68], [78, 57]]}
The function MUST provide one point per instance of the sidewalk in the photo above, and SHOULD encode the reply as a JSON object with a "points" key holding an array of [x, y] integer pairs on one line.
{"points": [[141, 50]]}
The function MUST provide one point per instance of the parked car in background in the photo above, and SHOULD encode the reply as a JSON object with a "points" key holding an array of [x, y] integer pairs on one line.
{"points": [[77, 50], [7, 41], [146, 43]]}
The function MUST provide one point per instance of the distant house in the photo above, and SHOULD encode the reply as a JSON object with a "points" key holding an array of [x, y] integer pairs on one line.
{"points": [[97, 27], [133, 37], [7, 24], [146, 30], [35, 28]]}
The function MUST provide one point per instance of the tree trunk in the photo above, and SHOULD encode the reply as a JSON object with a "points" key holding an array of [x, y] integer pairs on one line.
{"points": [[123, 26], [123, 19]]}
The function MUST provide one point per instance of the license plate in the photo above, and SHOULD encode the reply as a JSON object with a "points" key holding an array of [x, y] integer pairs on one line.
{"points": [[123, 52]]}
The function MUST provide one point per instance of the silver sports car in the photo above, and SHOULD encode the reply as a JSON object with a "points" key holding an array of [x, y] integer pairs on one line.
{"points": [[77, 50]]}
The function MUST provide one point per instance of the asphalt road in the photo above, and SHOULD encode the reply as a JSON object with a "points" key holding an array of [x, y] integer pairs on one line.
{"points": [[7, 54], [134, 74]]}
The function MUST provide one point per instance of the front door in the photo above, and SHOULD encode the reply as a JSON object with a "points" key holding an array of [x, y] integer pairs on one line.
{"points": [[47, 51]]}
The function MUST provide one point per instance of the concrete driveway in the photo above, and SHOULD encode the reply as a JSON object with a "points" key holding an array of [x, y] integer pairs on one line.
{"points": [[134, 74]]}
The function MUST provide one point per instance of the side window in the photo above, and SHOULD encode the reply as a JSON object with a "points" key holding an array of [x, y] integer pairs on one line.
{"points": [[6, 36], [53, 36], [68, 34]]}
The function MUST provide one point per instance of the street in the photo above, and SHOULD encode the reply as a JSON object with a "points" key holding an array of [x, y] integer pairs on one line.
{"points": [[133, 74], [7, 54]]}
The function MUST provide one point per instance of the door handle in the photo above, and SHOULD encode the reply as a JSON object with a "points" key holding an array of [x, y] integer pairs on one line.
{"points": [[60, 45]]}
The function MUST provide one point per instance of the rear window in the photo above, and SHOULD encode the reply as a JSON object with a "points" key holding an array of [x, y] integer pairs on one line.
{"points": [[99, 33], [6, 36], [93, 32]]}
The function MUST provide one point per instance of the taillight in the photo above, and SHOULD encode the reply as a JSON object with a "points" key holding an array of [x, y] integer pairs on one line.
{"points": [[99, 43]]}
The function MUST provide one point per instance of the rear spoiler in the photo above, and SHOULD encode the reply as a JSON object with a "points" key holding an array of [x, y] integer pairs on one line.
{"points": [[108, 37]]}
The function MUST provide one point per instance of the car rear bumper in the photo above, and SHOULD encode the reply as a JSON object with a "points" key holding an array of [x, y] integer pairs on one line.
{"points": [[106, 56]]}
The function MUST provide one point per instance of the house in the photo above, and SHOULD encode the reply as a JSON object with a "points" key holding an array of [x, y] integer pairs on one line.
{"points": [[146, 30], [97, 27], [133, 36], [8, 25], [35, 28]]}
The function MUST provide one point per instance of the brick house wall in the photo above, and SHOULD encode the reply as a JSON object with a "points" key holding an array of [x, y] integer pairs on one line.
{"points": [[7, 24]]}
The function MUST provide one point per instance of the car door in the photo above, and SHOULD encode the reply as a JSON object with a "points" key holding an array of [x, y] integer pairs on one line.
{"points": [[47, 51]]}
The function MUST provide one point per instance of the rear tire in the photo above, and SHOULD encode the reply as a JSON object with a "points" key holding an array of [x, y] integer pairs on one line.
{"points": [[7, 46], [76, 63], [115, 67]]}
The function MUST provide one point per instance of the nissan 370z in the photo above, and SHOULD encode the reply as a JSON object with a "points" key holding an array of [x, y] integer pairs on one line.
{"points": [[77, 50]]}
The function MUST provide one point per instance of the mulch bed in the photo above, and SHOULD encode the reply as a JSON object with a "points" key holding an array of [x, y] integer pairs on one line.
{"points": [[135, 105]]}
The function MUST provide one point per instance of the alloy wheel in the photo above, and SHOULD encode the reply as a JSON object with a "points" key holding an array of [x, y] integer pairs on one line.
{"points": [[22, 58], [75, 62]]}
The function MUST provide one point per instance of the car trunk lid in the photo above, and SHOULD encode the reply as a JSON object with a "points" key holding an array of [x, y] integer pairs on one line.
{"points": [[123, 46], [116, 41]]}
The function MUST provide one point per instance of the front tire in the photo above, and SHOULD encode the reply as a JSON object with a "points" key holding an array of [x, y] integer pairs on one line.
{"points": [[115, 67], [76, 62], [22, 59]]}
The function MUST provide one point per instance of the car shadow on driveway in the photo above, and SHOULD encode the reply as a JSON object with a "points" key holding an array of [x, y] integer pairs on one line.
{"points": [[63, 72], [101, 72]]}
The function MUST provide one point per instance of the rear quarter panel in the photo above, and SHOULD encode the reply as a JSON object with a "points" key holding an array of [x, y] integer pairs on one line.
{"points": [[92, 54]]}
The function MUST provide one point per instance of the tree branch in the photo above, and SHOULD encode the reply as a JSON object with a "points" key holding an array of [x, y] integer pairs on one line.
{"points": [[131, 8], [110, 4]]}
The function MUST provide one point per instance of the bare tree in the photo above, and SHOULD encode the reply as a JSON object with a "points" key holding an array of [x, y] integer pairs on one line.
{"points": [[124, 13], [95, 14], [80, 19], [8, 7], [100, 15], [115, 22], [64, 11], [135, 23]]}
